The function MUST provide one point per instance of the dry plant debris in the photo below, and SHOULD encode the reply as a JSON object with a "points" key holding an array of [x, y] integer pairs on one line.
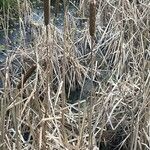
{"points": [[47, 85]]}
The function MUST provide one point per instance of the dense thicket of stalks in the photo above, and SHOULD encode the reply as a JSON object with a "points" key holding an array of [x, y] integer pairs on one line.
{"points": [[47, 85]]}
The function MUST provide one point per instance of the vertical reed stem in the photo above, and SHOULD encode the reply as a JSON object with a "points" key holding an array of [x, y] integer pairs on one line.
{"points": [[49, 68], [63, 95]]}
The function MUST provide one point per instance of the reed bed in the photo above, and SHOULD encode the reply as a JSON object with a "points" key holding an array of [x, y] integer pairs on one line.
{"points": [[84, 87]]}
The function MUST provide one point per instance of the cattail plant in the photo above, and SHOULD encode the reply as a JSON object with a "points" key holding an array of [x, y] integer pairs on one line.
{"points": [[49, 51], [92, 21], [92, 17], [49, 68], [46, 12]]}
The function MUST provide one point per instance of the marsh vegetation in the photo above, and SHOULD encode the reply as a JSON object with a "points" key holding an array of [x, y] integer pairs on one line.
{"points": [[75, 75]]}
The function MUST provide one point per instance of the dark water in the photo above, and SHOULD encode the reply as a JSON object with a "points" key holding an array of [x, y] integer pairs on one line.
{"points": [[17, 35], [12, 38]]}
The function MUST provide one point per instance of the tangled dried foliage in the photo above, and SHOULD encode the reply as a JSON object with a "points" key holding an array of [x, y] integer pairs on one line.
{"points": [[31, 115]]}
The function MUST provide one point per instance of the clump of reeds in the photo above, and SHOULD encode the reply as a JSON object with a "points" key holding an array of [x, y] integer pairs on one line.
{"points": [[118, 117]]}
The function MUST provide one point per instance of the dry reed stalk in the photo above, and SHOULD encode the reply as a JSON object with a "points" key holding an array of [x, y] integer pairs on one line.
{"points": [[16, 109], [4, 106], [82, 8], [63, 94]]}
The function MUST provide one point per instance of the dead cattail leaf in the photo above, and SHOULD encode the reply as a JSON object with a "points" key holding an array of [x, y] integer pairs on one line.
{"points": [[27, 75]]}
